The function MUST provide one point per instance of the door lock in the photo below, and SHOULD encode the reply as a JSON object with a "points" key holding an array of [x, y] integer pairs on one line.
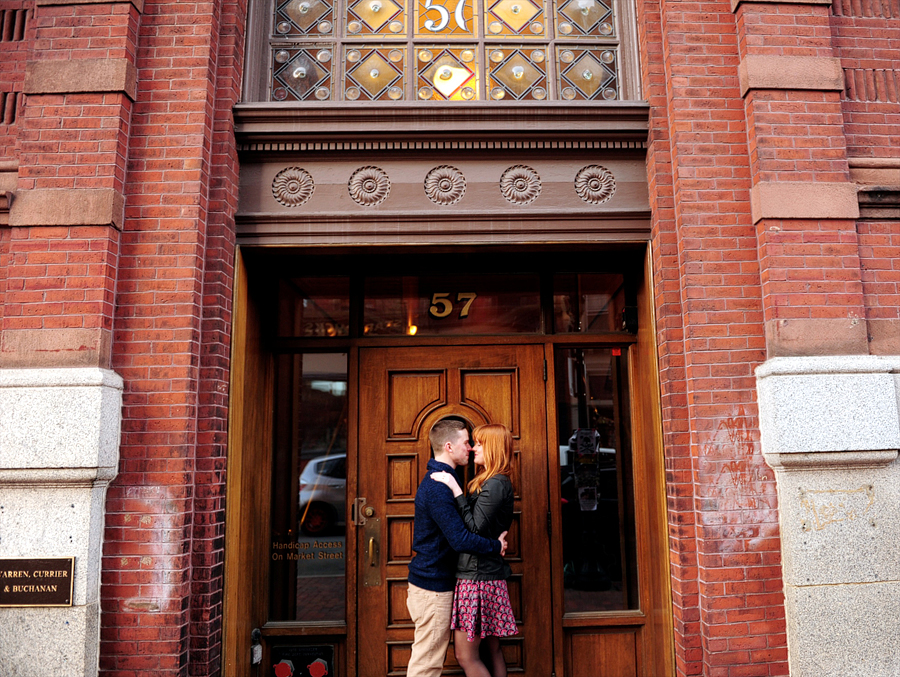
{"points": [[369, 511], [358, 512]]}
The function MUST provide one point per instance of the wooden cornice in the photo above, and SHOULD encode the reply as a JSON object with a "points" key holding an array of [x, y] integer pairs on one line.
{"points": [[277, 126]]}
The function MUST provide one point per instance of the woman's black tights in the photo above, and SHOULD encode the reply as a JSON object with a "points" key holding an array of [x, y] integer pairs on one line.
{"points": [[469, 657]]}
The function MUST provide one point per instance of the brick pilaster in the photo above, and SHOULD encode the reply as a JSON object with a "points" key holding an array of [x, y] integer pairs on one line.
{"points": [[726, 552], [163, 562], [804, 204], [68, 200]]}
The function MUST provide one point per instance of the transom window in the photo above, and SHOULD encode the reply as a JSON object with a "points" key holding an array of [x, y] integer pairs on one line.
{"points": [[444, 50]]}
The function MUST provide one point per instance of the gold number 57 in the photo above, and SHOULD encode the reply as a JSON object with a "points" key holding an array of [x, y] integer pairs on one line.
{"points": [[442, 306]]}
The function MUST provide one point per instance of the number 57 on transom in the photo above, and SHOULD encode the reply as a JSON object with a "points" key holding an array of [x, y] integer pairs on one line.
{"points": [[445, 17]]}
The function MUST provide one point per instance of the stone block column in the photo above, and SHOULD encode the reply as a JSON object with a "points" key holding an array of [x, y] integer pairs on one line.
{"points": [[830, 430], [59, 449]]}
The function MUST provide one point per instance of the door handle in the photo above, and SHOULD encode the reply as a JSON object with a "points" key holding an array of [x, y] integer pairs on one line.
{"points": [[371, 538], [373, 552]]}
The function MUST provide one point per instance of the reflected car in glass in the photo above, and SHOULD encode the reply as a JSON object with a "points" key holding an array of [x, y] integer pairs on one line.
{"points": [[323, 494]]}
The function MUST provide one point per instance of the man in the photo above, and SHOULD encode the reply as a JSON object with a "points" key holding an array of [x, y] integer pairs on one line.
{"points": [[439, 534]]}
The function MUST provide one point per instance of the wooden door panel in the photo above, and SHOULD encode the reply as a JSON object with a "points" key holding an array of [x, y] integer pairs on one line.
{"points": [[494, 394], [411, 395], [400, 536], [608, 653], [403, 477], [403, 392]]}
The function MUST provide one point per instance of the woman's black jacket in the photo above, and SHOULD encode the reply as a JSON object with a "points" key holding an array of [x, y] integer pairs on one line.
{"points": [[487, 513]]}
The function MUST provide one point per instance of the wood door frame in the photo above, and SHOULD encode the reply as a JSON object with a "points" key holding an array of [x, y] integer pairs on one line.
{"points": [[246, 475]]}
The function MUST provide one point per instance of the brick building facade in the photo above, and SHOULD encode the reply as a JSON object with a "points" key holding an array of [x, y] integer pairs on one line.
{"points": [[137, 140]]}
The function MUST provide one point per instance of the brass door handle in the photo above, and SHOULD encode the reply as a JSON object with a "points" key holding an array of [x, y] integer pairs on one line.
{"points": [[371, 537], [373, 552]]}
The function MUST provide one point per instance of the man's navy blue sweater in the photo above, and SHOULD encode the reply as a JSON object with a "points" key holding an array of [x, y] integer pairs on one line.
{"points": [[439, 534]]}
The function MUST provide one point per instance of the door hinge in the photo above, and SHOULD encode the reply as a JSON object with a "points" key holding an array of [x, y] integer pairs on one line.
{"points": [[255, 647], [545, 370], [549, 524]]}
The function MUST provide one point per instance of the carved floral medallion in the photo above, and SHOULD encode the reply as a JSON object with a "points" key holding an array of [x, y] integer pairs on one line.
{"points": [[595, 184], [520, 184], [369, 186], [293, 186], [445, 185]]}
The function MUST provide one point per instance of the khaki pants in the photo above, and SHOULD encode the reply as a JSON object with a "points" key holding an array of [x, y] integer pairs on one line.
{"points": [[430, 611]]}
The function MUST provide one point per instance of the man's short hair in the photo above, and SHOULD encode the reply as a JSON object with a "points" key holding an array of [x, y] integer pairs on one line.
{"points": [[445, 430]]}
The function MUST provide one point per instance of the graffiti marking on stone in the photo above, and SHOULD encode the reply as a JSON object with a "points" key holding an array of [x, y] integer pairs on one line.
{"points": [[827, 507]]}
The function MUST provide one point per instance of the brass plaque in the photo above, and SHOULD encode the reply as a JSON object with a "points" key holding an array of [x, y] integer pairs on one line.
{"points": [[36, 582]]}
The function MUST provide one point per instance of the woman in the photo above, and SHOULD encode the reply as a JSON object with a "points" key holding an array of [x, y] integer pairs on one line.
{"points": [[481, 608]]}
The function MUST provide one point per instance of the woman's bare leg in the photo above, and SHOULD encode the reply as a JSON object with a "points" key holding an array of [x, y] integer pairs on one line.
{"points": [[494, 656], [467, 655]]}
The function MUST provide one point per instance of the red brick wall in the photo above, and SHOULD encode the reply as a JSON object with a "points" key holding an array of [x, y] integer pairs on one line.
{"points": [[725, 551], [55, 278], [867, 40], [879, 253], [15, 31], [162, 572]]}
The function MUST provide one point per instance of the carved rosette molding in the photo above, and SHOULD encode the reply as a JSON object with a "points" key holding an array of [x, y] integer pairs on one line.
{"points": [[293, 186], [369, 186], [445, 185], [595, 184], [520, 184]]}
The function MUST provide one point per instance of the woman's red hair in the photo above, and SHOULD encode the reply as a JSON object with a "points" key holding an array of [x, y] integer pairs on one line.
{"points": [[496, 442]]}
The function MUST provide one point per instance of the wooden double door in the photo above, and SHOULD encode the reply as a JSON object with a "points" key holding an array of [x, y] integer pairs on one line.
{"points": [[402, 393]]}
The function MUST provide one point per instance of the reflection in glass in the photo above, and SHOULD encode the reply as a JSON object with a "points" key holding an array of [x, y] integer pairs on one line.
{"points": [[309, 489], [588, 303], [446, 74], [314, 307], [599, 563], [470, 304]]}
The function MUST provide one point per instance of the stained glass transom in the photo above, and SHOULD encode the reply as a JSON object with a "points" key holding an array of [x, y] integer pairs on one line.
{"points": [[444, 50]]}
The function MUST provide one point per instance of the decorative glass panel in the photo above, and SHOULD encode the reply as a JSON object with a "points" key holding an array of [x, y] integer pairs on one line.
{"points": [[444, 50], [517, 73], [587, 73], [447, 73], [302, 73], [372, 73], [584, 18], [439, 18], [471, 304], [385, 18], [304, 17], [525, 18]]}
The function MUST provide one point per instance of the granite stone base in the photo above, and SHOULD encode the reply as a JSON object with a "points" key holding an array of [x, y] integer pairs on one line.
{"points": [[49, 641], [59, 441], [831, 431], [844, 630]]}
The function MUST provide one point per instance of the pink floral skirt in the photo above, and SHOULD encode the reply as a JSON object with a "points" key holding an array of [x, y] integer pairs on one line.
{"points": [[482, 609]]}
